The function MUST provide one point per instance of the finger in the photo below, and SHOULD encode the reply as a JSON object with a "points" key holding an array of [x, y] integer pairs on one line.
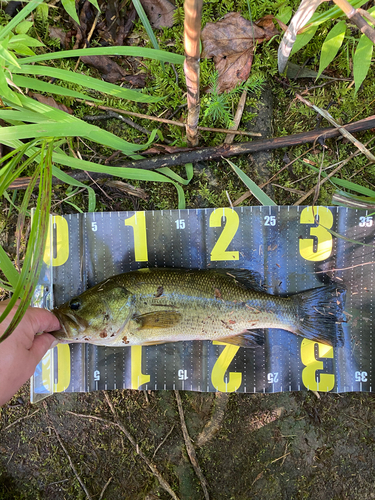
{"points": [[42, 320], [41, 345]]}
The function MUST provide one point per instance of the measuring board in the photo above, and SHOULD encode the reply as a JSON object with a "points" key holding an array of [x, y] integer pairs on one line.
{"points": [[285, 245]]}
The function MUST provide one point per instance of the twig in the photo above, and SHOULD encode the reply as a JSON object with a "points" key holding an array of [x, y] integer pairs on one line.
{"points": [[341, 164], [165, 120], [190, 448], [19, 419], [117, 116], [71, 463], [151, 466], [237, 117], [118, 424], [164, 440], [342, 130], [105, 487]]}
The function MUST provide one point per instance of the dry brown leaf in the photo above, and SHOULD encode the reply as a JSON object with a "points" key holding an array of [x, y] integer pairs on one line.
{"points": [[50, 101], [230, 42], [159, 12], [110, 70]]}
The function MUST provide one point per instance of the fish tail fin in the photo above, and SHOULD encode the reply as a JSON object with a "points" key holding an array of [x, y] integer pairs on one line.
{"points": [[321, 314]]}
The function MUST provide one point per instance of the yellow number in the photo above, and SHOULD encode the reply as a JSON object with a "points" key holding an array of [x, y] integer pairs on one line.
{"points": [[309, 376], [220, 252], [137, 377], [60, 242], [138, 223], [324, 247], [221, 366], [63, 369]]}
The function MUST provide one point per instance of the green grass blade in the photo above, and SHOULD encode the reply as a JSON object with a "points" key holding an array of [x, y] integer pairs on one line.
{"points": [[19, 17], [331, 45], [8, 268], [159, 55], [362, 60], [125, 173], [146, 23], [352, 186], [67, 179], [168, 172], [255, 190], [86, 81], [40, 86]]}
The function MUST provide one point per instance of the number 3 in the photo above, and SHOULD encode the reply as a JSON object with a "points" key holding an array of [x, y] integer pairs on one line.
{"points": [[324, 246]]}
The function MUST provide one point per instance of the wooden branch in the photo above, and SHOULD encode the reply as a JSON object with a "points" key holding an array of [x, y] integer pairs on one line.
{"points": [[224, 150], [192, 33]]}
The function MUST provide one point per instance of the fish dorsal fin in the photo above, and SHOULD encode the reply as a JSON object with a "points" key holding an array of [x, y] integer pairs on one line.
{"points": [[248, 279], [158, 319], [248, 338]]}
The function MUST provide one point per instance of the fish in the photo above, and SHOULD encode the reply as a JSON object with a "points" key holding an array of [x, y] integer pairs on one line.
{"points": [[158, 305]]}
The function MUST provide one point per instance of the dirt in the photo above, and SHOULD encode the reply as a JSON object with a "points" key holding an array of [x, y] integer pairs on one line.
{"points": [[290, 445]]}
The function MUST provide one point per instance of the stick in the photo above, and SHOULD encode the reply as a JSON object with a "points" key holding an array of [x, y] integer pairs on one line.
{"points": [[151, 466], [105, 487], [356, 18], [227, 151], [212, 427], [190, 448], [19, 419], [342, 130], [71, 463], [165, 120], [237, 118]]}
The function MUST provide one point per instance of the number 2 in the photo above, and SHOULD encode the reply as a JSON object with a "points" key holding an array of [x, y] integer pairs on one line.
{"points": [[232, 221]]}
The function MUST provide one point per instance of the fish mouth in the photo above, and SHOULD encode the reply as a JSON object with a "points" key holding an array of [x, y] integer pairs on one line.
{"points": [[71, 326]]}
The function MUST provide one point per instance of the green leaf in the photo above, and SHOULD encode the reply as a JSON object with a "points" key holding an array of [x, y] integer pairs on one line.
{"points": [[8, 56], [40, 86], [5, 91], [25, 40], [86, 81], [362, 60], [23, 50], [255, 190], [303, 39], [8, 268], [95, 4], [23, 27], [284, 13], [64, 177], [331, 45], [159, 55], [70, 7], [6, 30]]}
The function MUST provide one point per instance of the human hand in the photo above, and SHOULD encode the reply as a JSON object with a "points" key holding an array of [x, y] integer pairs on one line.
{"points": [[22, 350]]}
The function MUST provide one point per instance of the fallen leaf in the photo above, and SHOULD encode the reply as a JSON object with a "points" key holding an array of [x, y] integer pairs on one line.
{"points": [[230, 42], [159, 12], [128, 188], [50, 101], [110, 70], [58, 34]]}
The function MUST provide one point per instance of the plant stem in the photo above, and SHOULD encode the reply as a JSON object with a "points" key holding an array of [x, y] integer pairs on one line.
{"points": [[192, 31]]}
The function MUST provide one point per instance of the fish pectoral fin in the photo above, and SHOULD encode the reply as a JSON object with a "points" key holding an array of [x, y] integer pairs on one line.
{"points": [[159, 319], [248, 338]]}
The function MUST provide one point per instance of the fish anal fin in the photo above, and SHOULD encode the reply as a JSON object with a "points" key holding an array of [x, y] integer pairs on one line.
{"points": [[247, 338], [158, 319]]}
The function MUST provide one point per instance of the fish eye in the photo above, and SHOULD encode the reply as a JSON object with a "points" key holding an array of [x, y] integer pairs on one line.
{"points": [[75, 304]]}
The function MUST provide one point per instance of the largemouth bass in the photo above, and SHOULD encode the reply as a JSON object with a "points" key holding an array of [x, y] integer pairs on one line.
{"points": [[154, 306]]}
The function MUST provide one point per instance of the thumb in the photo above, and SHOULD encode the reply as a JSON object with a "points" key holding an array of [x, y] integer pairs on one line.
{"points": [[41, 345]]}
